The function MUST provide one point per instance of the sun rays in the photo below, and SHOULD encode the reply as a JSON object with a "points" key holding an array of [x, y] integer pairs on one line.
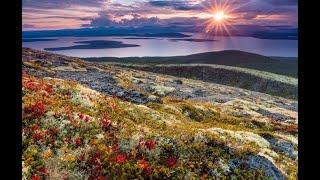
{"points": [[221, 19], [222, 15]]}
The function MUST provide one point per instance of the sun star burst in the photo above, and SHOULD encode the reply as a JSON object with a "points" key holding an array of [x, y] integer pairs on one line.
{"points": [[221, 16]]}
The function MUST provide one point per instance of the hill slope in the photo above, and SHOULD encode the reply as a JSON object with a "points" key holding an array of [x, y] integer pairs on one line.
{"points": [[285, 66], [250, 79], [84, 120]]}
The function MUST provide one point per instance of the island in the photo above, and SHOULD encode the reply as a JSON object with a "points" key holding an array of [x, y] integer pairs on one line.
{"points": [[98, 44]]}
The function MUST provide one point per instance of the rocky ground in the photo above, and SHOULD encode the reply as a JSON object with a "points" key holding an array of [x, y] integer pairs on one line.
{"points": [[213, 130]]}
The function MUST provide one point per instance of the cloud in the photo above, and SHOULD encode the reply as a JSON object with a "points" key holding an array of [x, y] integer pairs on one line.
{"points": [[269, 8], [249, 6], [141, 21], [103, 20], [106, 20], [161, 3], [28, 26], [138, 20], [54, 4], [106, 13], [85, 25], [193, 4]]}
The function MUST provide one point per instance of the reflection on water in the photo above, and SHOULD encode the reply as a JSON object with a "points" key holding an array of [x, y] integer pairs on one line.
{"points": [[166, 47]]}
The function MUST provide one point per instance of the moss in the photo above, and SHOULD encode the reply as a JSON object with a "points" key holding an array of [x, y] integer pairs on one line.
{"points": [[193, 113]]}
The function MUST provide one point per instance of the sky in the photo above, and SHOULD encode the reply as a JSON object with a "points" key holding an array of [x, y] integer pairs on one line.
{"points": [[73, 14]]}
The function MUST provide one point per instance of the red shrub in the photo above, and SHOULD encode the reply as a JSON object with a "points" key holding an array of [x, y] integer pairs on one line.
{"points": [[171, 161], [150, 144], [67, 140], [36, 110], [105, 122], [78, 141], [34, 127], [96, 158], [53, 131], [82, 157], [35, 177], [115, 148], [81, 116], [31, 86], [37, 86], [121, 158], [100, 178], [43, 171], [37, 136], [143, 164], [48, 88], [87, 119]]}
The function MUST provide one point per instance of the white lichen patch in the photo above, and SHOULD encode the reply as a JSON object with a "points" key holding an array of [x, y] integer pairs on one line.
{"points": [[242, 136], [68, 68], [137, 80], [269, 154], [162, 90]]}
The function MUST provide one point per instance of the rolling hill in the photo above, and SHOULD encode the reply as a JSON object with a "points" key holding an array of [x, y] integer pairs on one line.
{"points": [[278, 65]]}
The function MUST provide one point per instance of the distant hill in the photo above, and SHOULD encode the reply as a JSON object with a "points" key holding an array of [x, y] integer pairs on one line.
{"points": [[94, 32], [261, 32], [278, 65]]}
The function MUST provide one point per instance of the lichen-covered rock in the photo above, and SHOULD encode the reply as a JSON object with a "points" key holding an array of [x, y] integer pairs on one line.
{"points": [[258, 162], [284, 146]]}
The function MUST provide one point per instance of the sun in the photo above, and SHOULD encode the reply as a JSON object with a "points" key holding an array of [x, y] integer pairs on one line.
{"points": [[219, 21], [219, 16]]}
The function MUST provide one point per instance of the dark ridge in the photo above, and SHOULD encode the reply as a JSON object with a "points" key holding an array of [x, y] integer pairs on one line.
{"points": [[285, 66]]}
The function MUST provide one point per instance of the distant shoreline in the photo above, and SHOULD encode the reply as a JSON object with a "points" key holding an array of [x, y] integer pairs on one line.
{"points": [[98, 44], [37, 39], [290, 34]]}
